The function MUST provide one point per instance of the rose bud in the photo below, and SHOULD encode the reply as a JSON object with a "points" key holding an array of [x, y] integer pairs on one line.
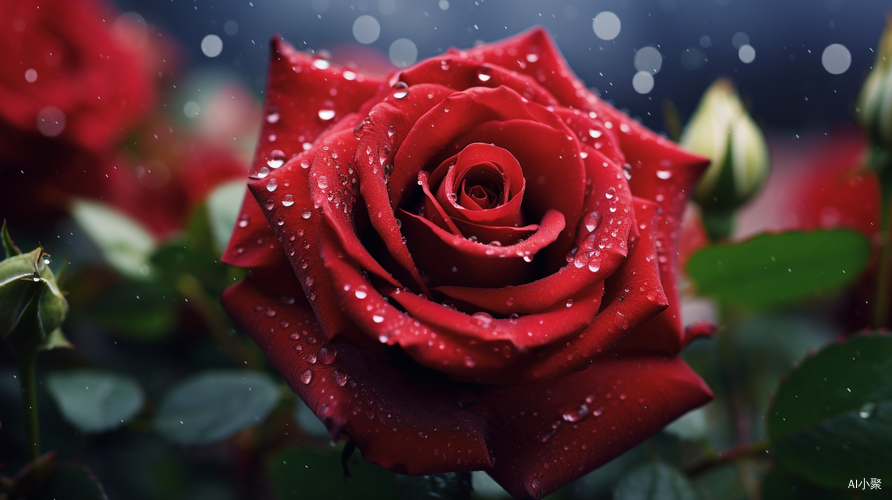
{"points": [[723, 131], [31, 305], [471, 265], [875, 101]]}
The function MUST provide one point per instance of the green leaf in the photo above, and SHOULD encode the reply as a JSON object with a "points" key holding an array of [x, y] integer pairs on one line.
{"points": [[124, 242], [71, 482], [305, 472], [448, 485], [777, 269], [655, 481], [138, 310], [690, 426], [8, 246], [831, 420], [95, 401], [779, 484], [214, 405], [223, 207], [192, 252]]}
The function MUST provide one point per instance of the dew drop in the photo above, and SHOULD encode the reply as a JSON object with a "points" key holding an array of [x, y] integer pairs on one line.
{"points": [[577, 414], [272, 114], [592, 221], [326, 114], [482, 319], [276, 158], [664, 174], [271, 185], [287, 200], [610, 193], [484, 74], [401, 90], [306, 376], [339, 377], [306, 213], [327, 355]]}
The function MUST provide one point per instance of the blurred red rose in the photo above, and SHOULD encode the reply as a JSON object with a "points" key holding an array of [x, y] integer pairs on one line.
{"points": [[469, 266], [166, 173], [64, 73], [70, 88]]}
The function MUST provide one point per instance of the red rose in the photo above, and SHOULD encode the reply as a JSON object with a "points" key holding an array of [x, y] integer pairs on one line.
{"points": [[488, 256], [70, 88], [63, 72]]}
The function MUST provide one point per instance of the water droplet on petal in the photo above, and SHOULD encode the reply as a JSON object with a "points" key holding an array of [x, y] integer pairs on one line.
{"points": [[482, 319], [287, 200], [306, 376], [272, 114], [664, 174], [271, 185], [276, 159], [339, 377], [306, 213], [592, 221], [327, 354], [484, 74], [326, 114], [610, 193], [576, 414]]}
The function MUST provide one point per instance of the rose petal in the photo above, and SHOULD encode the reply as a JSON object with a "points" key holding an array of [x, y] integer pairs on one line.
{"points": [[558, 431], [662, 172], [534, 54], [603, 232], [555, 176], [253, 242], [379, 136], [633, 295], [499, 161], [523, 332], [458, 71], [377, 319], [448, 258], [409, 424], [438, 128], [299, 103]]}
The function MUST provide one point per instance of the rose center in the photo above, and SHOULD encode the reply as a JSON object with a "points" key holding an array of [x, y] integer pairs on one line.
{"points": [[483, 187]]}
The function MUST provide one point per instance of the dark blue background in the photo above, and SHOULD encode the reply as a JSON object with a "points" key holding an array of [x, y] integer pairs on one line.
{"points": [[786, 86]]}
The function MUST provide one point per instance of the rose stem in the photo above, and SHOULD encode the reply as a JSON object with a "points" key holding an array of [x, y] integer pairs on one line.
{"points": [[730, 455], [27, 372], [197, 298], [727, 351]]}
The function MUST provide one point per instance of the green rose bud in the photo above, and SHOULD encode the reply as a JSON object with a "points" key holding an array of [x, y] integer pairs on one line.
{"points": [[722, 131], [875, 101], [32, 307]]}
